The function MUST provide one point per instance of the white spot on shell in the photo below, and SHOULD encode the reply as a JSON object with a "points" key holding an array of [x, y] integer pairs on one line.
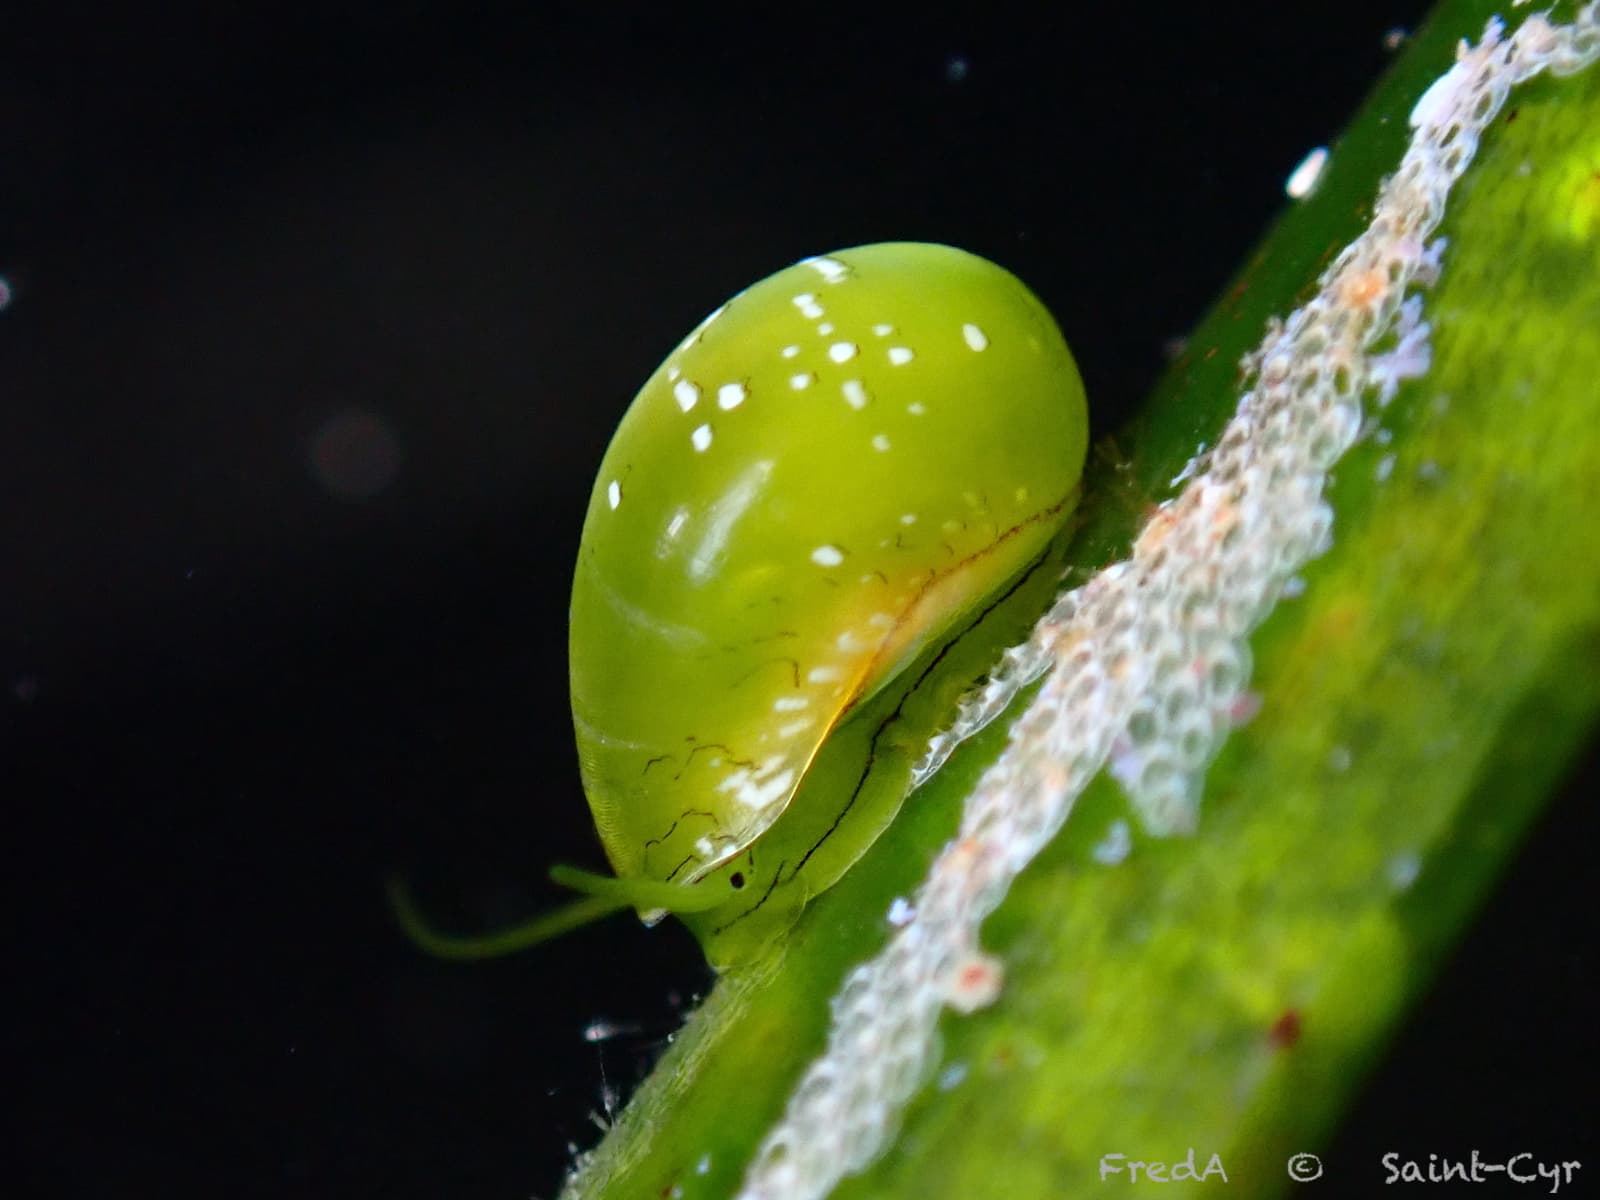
{"points": [[882, 330], [855, 393], [702, 847], [614, 494], [808, 306], [701, 438], [908, 518], [899, 356], [672, 374], [827, 556], [849, 643], [790, 703], [679, 519], [791, 351], [842, 352], [686, 394], [792, 728], [824, 329], [749, 791], [975, 338], [831, 269], [915, 408], [880, 442], [730, 396], [901, 913], [824, 675], [881, 620], [802, 381]]}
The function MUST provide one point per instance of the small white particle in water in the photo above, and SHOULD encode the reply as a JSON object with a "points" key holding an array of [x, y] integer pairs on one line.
{"points": [[842, 352], [1384, 469], [880, 442], [686, 394], [1114, 847], [730, 396], [790, 351], [824, 675], [701, 438], [703, 1167], [1394, 38], [1303, 179], [614, 494], [855, 393], [602, 1030], [915, 408], [1429, 471], [1383, 436], [881, 330], [790, 703], [1403, 870], [1293, 586], [901, 913], [1339, 759], [831, 269], [899, 356], [908, 519], [974, 337], [827, 556], [952, 1076], [801, 382]]}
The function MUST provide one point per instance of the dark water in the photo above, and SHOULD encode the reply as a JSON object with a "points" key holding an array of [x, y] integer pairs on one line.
{"points": [[316, 332]]}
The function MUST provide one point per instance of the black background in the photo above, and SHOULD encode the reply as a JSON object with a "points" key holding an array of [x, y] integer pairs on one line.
{"points": [[317, 329]]}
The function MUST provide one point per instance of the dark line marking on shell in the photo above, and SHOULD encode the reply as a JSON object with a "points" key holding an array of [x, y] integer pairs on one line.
{"points": [[794, 670], [748, 764], [889, 720], [716, 829]]}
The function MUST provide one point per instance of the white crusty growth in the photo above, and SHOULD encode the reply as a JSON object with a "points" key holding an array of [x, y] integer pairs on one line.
{"points": [[1148, 660]]}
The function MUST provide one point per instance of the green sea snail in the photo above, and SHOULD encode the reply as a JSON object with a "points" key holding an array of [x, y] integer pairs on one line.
{"points": [[818, 523]]}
